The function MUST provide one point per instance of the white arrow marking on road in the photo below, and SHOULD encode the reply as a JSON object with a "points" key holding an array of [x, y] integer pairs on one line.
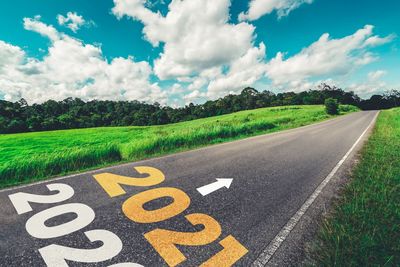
{"points": [[221, 182]]}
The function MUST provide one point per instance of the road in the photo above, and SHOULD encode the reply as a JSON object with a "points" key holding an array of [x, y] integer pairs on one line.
{"points": [[159, 218]]}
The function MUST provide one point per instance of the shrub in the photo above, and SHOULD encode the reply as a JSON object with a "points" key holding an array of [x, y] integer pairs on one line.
{"points": [[331, 106], [347, 108]]}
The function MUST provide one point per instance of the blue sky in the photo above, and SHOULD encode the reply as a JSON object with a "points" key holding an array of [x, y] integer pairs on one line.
{"points": [[194, 50]]}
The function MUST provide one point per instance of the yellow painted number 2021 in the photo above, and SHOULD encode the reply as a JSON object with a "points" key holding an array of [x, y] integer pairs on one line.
{"points": [[165, 241], [111, 183]]}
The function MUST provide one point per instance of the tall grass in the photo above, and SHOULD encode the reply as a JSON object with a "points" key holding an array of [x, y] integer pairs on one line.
{"points": [[189, 138], [25, 169], [364, 229], [32, 156]]}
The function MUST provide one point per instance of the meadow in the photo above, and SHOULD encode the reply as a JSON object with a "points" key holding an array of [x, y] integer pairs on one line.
{"points": [[364, 229], [28, 157]]}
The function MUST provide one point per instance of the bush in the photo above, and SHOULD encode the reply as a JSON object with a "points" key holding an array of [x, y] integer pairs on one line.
{"points": [[331, 106], [347, 108]]}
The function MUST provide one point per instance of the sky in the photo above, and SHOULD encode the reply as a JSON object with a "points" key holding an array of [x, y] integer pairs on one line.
{"points": [[179, 51]]}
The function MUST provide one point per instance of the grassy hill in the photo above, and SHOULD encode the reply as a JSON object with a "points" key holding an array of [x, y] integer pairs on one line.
{"points": [[32, 156]]}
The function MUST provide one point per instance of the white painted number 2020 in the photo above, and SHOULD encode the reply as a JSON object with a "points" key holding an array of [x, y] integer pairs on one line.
{"points": [[36, 224], [56, 255], [21, 200]]}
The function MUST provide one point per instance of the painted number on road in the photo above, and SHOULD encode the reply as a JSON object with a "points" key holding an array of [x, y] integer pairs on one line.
{"points": [[55, 255], [133, 207], [21, 200], [111, 183], [165, 241]]}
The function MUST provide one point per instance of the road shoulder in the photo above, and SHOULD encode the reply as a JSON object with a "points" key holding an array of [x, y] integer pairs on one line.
{"points": [[293, 251]]}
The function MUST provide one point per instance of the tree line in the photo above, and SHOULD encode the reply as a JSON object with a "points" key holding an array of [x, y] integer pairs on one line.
{"points": [[72, 113]]}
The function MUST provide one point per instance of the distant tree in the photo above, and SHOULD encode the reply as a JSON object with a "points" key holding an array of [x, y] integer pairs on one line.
{"points": [[331, 106], [67, 121], [17, 126], [160, 117], [22, 102], [34, 123], [3, 124], [140, 118]]}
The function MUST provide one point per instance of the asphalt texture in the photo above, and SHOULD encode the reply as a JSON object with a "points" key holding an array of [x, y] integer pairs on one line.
{"points": [[273, 175]]}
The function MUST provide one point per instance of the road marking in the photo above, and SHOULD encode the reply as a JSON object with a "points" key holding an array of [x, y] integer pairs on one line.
{"points": [[274, 245], [133, 207], [111, 183], [55, 255], [165, 241], [210, 188]]}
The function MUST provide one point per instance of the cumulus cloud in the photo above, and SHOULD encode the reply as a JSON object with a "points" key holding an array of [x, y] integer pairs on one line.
{"points": [[259, 8], [201, 48], [212, 56], [376, 75], [377, 41], [243, 72], [35, 25], [194, 96], [10, 56], [72, 69], [326, 56], [196, 35], [372, 85], [73, 21]]}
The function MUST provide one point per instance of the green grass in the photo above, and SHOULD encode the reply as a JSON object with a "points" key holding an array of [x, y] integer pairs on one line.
{"points": [[32, 156], [364, 229]]}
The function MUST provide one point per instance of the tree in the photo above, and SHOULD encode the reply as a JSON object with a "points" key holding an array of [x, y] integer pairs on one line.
{"points": [[16, 126], [3, 124], [331, 106]]}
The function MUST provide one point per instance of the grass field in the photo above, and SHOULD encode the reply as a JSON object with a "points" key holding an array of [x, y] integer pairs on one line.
{"points": [[33, 156], [364, 229]]}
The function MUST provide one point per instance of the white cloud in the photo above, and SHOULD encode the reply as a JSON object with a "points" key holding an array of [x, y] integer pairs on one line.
{"points": [[202, 49], [212, 56], [333, 57], [36, 25], [372, 85], [193, 96], [10, 56], [243, 72], [196, 35], [72, 69], [73, 21], [376, 75], [377, 41], [259, 8]]}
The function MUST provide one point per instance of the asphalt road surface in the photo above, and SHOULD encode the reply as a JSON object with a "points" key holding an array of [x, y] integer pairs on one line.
{"points": [[151, 213]]}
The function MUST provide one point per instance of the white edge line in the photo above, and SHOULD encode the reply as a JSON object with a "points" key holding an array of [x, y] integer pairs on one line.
{"points": [[274, 245], [54, 179]]}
